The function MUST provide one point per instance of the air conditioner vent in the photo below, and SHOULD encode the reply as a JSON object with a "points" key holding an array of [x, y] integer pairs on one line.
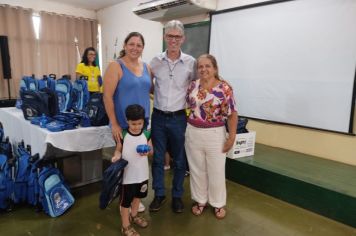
{"points": [[163, 10], [173, 4], [146, 10]]}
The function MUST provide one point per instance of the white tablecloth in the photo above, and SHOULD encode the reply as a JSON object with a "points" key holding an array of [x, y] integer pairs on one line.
{"points": [[77, 140]]}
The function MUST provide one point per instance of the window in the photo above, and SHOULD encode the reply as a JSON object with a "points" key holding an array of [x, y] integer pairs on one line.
{"points": [[36, 20]]}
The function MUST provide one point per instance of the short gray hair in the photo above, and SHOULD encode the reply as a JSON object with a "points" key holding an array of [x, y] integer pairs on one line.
{"points": [[174, 24]]}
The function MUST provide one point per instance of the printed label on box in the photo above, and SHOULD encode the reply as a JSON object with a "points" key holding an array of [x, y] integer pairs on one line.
{"points": [[244, 145]]}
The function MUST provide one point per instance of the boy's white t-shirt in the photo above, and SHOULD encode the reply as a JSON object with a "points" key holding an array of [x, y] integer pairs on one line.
{"points": [[136, 170]]}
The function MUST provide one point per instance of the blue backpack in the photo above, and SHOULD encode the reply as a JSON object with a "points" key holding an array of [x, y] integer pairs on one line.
{"points": [[55, 196], [80, 94], [112, 182], [48, 82], [33, 188], [28, 83], [96, 110], [36, 103], [22, 173], [64, 91], [6, 183], [1, 132], [5, 145]]}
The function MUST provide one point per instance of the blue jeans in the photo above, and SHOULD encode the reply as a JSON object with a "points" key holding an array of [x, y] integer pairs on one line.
{"points": [[168, 129]]}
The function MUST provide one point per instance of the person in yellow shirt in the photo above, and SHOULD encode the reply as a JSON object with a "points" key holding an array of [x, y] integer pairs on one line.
{"points": [[87, 67]]}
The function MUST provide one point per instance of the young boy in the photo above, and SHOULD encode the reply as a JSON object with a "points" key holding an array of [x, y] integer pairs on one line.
{"points": [[135, 180]]}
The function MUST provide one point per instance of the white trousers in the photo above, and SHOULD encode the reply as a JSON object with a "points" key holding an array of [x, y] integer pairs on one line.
{"points": [[206, 164]]}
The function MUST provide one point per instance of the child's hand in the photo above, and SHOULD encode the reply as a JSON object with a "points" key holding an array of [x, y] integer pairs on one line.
{"points": [[116, 157], [150, 153], [144, 154]]}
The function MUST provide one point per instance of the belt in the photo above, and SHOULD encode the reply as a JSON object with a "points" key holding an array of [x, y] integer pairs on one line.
{"points": [[169, 113]]}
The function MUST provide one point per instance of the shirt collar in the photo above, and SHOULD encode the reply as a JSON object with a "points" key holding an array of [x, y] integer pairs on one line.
{"points": [[181, 57]]}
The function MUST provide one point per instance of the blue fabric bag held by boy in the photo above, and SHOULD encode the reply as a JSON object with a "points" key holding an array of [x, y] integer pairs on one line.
{"points": [[112, 180]]}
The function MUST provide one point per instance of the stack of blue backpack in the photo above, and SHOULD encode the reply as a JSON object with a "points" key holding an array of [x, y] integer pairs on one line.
{"points": [[37, 97], [40, 184], [63, 95], [6, 167], [25, 178], [50, 96]]}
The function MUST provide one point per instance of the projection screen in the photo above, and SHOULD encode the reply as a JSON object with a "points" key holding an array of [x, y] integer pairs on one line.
{"points": [[290, 62]]}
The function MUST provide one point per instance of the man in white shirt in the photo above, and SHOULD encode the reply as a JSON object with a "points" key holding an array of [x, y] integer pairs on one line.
{"points": [[172, 70]]}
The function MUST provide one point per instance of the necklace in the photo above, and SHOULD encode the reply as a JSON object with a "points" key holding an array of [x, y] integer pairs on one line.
{"points": [[171, 69]]}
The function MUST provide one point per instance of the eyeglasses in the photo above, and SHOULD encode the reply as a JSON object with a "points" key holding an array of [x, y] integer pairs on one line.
{"points": [[91, 54], [176, 37]]}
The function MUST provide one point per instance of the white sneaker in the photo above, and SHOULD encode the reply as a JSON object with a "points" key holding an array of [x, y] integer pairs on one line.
{"points": [[141, 208]]}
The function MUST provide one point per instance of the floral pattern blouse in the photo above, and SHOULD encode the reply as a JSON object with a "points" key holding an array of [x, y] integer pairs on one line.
{"points": [[210, 108]]}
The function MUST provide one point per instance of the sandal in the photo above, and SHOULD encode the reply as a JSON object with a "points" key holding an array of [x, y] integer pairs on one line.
{"points": [[139, 221], [197, 209], [129, 231], [220, 212]]}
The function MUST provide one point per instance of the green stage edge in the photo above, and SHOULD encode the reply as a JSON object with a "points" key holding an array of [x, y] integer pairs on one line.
{"points": [[328, 203]]}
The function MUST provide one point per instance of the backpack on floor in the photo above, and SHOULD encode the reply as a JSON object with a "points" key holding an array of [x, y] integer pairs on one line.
{"points": [[96, 110], [22, 172], [80, 94], [6, 183], [33, 187], [64, 91], [55, 196]]}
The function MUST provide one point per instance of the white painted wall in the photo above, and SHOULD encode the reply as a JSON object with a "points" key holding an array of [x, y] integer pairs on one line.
{"points": [[60, 8], [118, 21], [225, 4]]}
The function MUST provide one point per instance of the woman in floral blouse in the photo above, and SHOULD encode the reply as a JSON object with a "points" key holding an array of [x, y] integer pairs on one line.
{"points": [[212, 104]]}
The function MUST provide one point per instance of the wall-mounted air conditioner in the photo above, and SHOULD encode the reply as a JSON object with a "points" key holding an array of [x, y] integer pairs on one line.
{"points": [[163, 10]]}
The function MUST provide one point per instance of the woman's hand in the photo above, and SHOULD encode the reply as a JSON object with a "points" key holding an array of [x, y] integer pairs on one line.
{"points": [[116, 133], [228, 144]]}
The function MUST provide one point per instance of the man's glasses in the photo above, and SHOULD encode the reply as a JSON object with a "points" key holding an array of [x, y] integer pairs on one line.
{"points": [[176, 37]]}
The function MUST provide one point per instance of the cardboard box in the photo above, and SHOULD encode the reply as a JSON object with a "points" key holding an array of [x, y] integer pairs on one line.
{"points": [[244, 145]]}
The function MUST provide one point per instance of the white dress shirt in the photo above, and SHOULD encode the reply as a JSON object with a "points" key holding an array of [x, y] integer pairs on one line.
{"points": [[171, 80]]}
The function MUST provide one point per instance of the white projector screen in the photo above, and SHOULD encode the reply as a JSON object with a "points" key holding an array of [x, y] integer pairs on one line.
{"points": [[290, 62]]}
